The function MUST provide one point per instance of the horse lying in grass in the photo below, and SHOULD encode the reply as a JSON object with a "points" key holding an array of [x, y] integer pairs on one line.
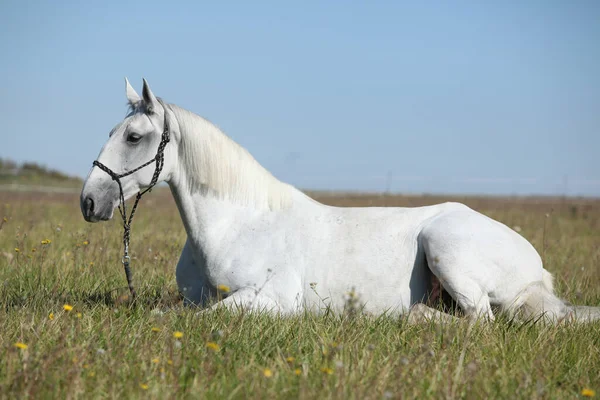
{"points": [[278, 250]]}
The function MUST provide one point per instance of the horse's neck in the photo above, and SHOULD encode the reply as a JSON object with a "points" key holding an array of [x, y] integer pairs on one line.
{"points": [[207, 218], [202, 213]]}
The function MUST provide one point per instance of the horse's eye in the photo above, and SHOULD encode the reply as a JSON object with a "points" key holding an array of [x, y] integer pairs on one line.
{"points": [[134, 138]]}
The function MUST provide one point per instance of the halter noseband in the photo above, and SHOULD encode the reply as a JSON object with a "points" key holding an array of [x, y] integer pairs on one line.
{"points": [[159, 158]]}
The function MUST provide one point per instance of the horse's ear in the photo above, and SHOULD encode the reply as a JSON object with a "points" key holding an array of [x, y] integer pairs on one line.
{"points": [[132, 96], [149, 99]]}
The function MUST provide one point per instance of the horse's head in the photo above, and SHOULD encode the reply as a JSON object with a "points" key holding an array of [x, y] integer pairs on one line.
{"points": [[132, 143]]}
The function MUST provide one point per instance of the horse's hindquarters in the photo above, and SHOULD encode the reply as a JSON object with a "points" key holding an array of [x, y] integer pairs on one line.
{"points": [[479, 261]]}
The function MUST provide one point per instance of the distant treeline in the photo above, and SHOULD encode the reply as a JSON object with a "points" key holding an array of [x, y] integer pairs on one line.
{"points": [[30, 172]]}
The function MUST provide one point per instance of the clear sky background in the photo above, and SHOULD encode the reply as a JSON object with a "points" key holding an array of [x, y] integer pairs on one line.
{"points": [[492, 97]]}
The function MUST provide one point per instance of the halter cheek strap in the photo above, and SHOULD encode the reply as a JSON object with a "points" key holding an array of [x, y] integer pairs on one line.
{"points": [[159, 159]]}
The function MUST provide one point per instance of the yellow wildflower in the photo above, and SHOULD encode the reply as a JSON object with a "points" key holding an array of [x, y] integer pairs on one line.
{"points": [[92, 374], [170, 362], [298, 371], [51, 316], [587, 392], [177, 334], [213, 346], [327, 371], [143, 386], [78, 315], [91, 263], [33, 250], [17, 250], [267, 373], [20, 345], [223, 288], [155, 360], [290, 359], [46, 241], [67, 307], [5, 219], [86, 242], [155, 329]]}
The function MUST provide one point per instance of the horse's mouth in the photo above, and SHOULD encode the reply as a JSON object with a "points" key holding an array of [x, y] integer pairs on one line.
{"points": [[96, 218]]}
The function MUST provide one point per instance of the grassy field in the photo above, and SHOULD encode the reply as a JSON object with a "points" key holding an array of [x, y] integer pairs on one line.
{"points": [[69, 331]]}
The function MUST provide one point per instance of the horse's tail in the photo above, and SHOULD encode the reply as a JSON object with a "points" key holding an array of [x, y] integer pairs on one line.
{"points": [[538, 300], [548, 281]]}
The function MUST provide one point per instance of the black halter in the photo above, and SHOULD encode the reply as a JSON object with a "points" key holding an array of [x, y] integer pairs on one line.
{"points": [[159, 159]]}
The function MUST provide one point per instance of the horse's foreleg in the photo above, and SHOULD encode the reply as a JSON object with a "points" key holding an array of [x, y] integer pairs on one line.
{"points": [[248, 299], [422, 313]]}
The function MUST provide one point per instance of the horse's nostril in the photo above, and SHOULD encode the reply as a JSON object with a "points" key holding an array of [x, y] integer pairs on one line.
{"points": [[89, 206]]}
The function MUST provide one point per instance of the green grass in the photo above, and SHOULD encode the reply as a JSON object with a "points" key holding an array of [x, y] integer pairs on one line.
{"points": [[106, 347]]}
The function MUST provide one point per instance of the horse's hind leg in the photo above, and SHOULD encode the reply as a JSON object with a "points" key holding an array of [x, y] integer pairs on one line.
{"points": [[468, 293], [460, 269]]}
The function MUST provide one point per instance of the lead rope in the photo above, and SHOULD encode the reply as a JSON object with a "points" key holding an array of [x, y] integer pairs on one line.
{"points": [[159, 158]]}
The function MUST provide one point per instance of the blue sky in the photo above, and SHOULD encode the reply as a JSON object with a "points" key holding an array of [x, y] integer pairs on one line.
{"points": [[440, 97]]}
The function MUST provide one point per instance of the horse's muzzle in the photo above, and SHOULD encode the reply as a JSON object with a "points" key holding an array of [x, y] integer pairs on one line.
{"points": [[91, 212]]}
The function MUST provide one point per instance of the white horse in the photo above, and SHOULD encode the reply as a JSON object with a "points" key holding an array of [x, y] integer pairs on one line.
{"points": [[276, 249]]}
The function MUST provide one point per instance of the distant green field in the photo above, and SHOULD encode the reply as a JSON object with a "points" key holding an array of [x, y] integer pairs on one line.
{"points": [[104, 347], [15, 176], [21, 183]]}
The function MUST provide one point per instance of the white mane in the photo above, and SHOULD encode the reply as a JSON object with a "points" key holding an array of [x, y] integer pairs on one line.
{"points": [[216, 164]]}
